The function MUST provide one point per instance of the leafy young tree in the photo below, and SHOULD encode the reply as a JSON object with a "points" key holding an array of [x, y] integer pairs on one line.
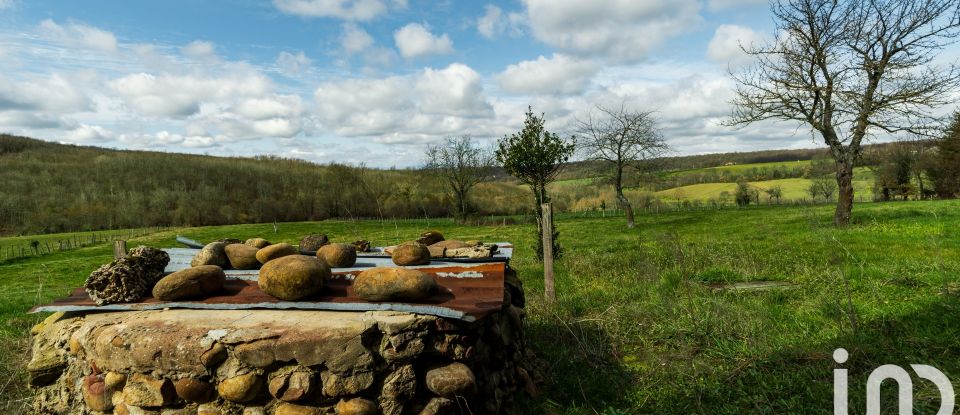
{"points": [[848, 69], [535, 156], [945, 169], [774, 192], [462, 165], [622, 138], [744, 194]]}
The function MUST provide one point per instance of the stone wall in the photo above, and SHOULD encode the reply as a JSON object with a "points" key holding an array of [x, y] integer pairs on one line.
{"points": [[279, 362]]}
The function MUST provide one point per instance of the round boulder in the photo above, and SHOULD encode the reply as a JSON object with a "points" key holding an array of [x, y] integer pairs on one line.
{"points": [[383, 284], [311, 243], [450, 381], [242, 256], [430, 237], [275, 251], [338, 255], [411, 254], [242, 388], [357, 406], [293, 277], [194, 390], [258, 243], [191, 282], [211, 254]]}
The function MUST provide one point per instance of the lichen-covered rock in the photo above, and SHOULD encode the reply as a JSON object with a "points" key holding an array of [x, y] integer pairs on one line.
{"points": [[450, 381], [258, 243], [430, 237], [199, 281], [311, 243], [383, 284], [242, 256], [356, 406], [293, 277], [338, 255], [362, 245], [275, 251], [482, 251], [145, 391], [344, 384], [438, 406], [194, 390], [399, 387], [241, 388], [96, 395], [127, 279], [211, 254], [410, 254]]}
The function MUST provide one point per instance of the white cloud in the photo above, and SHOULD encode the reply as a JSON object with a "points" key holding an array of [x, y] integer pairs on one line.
{"points": [[30, 119], [87, 134], [200, 50], [355, 39], [403, 109], [342, 9], [494, 23], [292, 64], [559, 74], [619, 30], [54, 93], [76, 34], [725, 47], [414, 40], [170, 95]]}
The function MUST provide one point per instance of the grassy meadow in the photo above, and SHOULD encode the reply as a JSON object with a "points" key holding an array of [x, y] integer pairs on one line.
{"points": [[640, 325]]}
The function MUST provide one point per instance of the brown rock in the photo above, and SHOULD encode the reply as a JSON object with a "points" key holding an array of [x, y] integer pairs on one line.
{"points": [[438, 406], [213, 357], [382, 284], [96, 394], [229, 241], [398, 387], [437, 252], [258, 243], [430, 237], [146, 391], [450, 381], [114, 381], [200, 281], [357, 406], [275, 251], [344, 384], [242, 388], [211, 254], [291, 385], [286, 408], [194, 390], [338, 255], [469, 252], [362, 245], [311, 243], [411, 254], [293, 277], [242, 256], [451, 244]]}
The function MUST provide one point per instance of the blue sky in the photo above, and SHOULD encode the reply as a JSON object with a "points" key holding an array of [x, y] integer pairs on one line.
{"points": [[369, 81]]}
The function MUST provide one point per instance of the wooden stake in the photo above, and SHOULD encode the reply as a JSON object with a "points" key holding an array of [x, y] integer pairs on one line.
{"points": [[547, 219], [119, 249]]}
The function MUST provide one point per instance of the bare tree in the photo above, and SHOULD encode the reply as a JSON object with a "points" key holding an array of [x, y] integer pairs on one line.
{"points": [[622, 138], [849, 69], [462, 165]]}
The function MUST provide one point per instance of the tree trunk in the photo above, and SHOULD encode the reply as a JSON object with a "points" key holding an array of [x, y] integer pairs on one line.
{"points": [[844, 192], [621, 199]]}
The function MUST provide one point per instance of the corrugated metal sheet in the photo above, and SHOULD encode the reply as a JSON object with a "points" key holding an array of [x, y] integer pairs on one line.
{"points": [[469, 291]]}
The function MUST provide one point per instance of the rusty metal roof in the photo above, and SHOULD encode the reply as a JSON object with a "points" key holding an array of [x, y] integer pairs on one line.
{"points": [[469, 291]]}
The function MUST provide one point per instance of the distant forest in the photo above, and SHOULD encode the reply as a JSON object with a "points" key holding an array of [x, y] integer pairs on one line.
{"points": [[48, 187]]}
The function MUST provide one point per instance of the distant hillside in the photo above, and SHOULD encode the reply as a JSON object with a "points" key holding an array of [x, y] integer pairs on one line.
{"points": [[49, 187]]}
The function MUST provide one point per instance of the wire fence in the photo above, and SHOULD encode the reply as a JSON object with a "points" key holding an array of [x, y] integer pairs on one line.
{"points": [[44, 245]]}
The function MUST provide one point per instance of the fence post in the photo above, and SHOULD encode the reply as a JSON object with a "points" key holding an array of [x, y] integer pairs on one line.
{"points": [[547, 220], [119, 249]]}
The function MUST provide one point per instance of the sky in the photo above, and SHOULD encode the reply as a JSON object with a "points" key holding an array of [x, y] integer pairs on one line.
{"points": [[371, 81]]}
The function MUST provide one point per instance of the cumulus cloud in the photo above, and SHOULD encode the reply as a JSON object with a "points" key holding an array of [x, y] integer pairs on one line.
{"points": [[717, 5], [200, 50], [414, 40], [292, 64], [76, 34], [181, 95], [355, 39], [725, 47], [412, 108], [54, 93], [619, 30], [87, 134], [342, 9], [559, 74], [494, 22]]}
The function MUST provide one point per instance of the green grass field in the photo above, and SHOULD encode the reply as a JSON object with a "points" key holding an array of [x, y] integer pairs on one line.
{"points": [[741, 168], [638, 326], [793, 189]]}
